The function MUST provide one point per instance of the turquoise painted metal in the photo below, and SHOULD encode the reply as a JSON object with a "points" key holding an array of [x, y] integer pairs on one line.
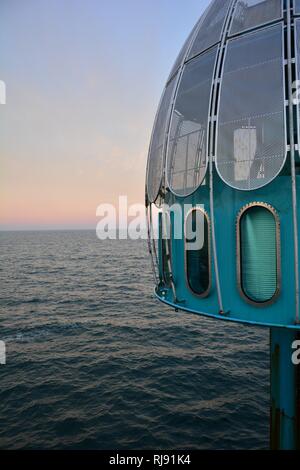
{"points": [[285, 392], [228, 203], [226, 140]]}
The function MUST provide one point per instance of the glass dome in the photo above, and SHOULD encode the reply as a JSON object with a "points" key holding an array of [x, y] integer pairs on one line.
{"points": [[218, 103]]}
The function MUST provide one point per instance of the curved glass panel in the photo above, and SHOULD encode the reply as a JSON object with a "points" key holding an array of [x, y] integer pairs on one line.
{"points": [[251, 137], [187, 146], [211, 27], [183, 52], [197, 258], [156, 157], [251, 13], [258, 246]]}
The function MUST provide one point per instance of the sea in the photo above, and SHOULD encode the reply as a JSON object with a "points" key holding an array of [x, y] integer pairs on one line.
{"points": [[94, 361]]}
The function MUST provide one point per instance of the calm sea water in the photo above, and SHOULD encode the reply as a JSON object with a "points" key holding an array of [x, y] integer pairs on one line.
{"points": [[95, 362]]}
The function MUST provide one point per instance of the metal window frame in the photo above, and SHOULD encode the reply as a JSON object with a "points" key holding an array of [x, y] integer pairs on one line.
{"points": [[237, 38], [240, 215], [257, 26], [177, 75], [214, 44], [190, 44], [175, 78], [216, 48], [207, 218]]}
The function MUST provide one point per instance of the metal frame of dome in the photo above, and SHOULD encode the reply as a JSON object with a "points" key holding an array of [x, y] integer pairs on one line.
{"points": [[212, 185], [215, 8], [149, 201], [204, 54], [223, 203], [259, 24], [177, 76]]}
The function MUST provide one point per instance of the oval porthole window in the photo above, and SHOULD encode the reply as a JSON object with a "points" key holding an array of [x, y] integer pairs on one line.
{"points": [[258, 233], [197, 252]]}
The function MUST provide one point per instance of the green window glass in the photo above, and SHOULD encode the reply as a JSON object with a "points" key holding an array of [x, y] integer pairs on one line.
{"points": [[198, 258], [259, 253]]}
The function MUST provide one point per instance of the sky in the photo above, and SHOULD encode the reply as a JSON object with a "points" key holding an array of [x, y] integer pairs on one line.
{"points": [[83, 81]]}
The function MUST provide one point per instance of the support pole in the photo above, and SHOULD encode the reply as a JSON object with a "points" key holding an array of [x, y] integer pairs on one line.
{"points": [[285, 391]]}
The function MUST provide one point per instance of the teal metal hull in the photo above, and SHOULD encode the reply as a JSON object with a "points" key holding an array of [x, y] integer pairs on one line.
{"points": [[228, 202]]}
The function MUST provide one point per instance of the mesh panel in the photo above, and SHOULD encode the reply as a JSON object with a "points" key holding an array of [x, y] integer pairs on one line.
{"points": [[211, 28], [187, 146], [182, 53], [251, 136], [251, 13], [156, 157]]}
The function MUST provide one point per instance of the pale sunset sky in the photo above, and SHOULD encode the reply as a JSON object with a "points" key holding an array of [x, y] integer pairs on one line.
{"points": [[83, 80]]}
